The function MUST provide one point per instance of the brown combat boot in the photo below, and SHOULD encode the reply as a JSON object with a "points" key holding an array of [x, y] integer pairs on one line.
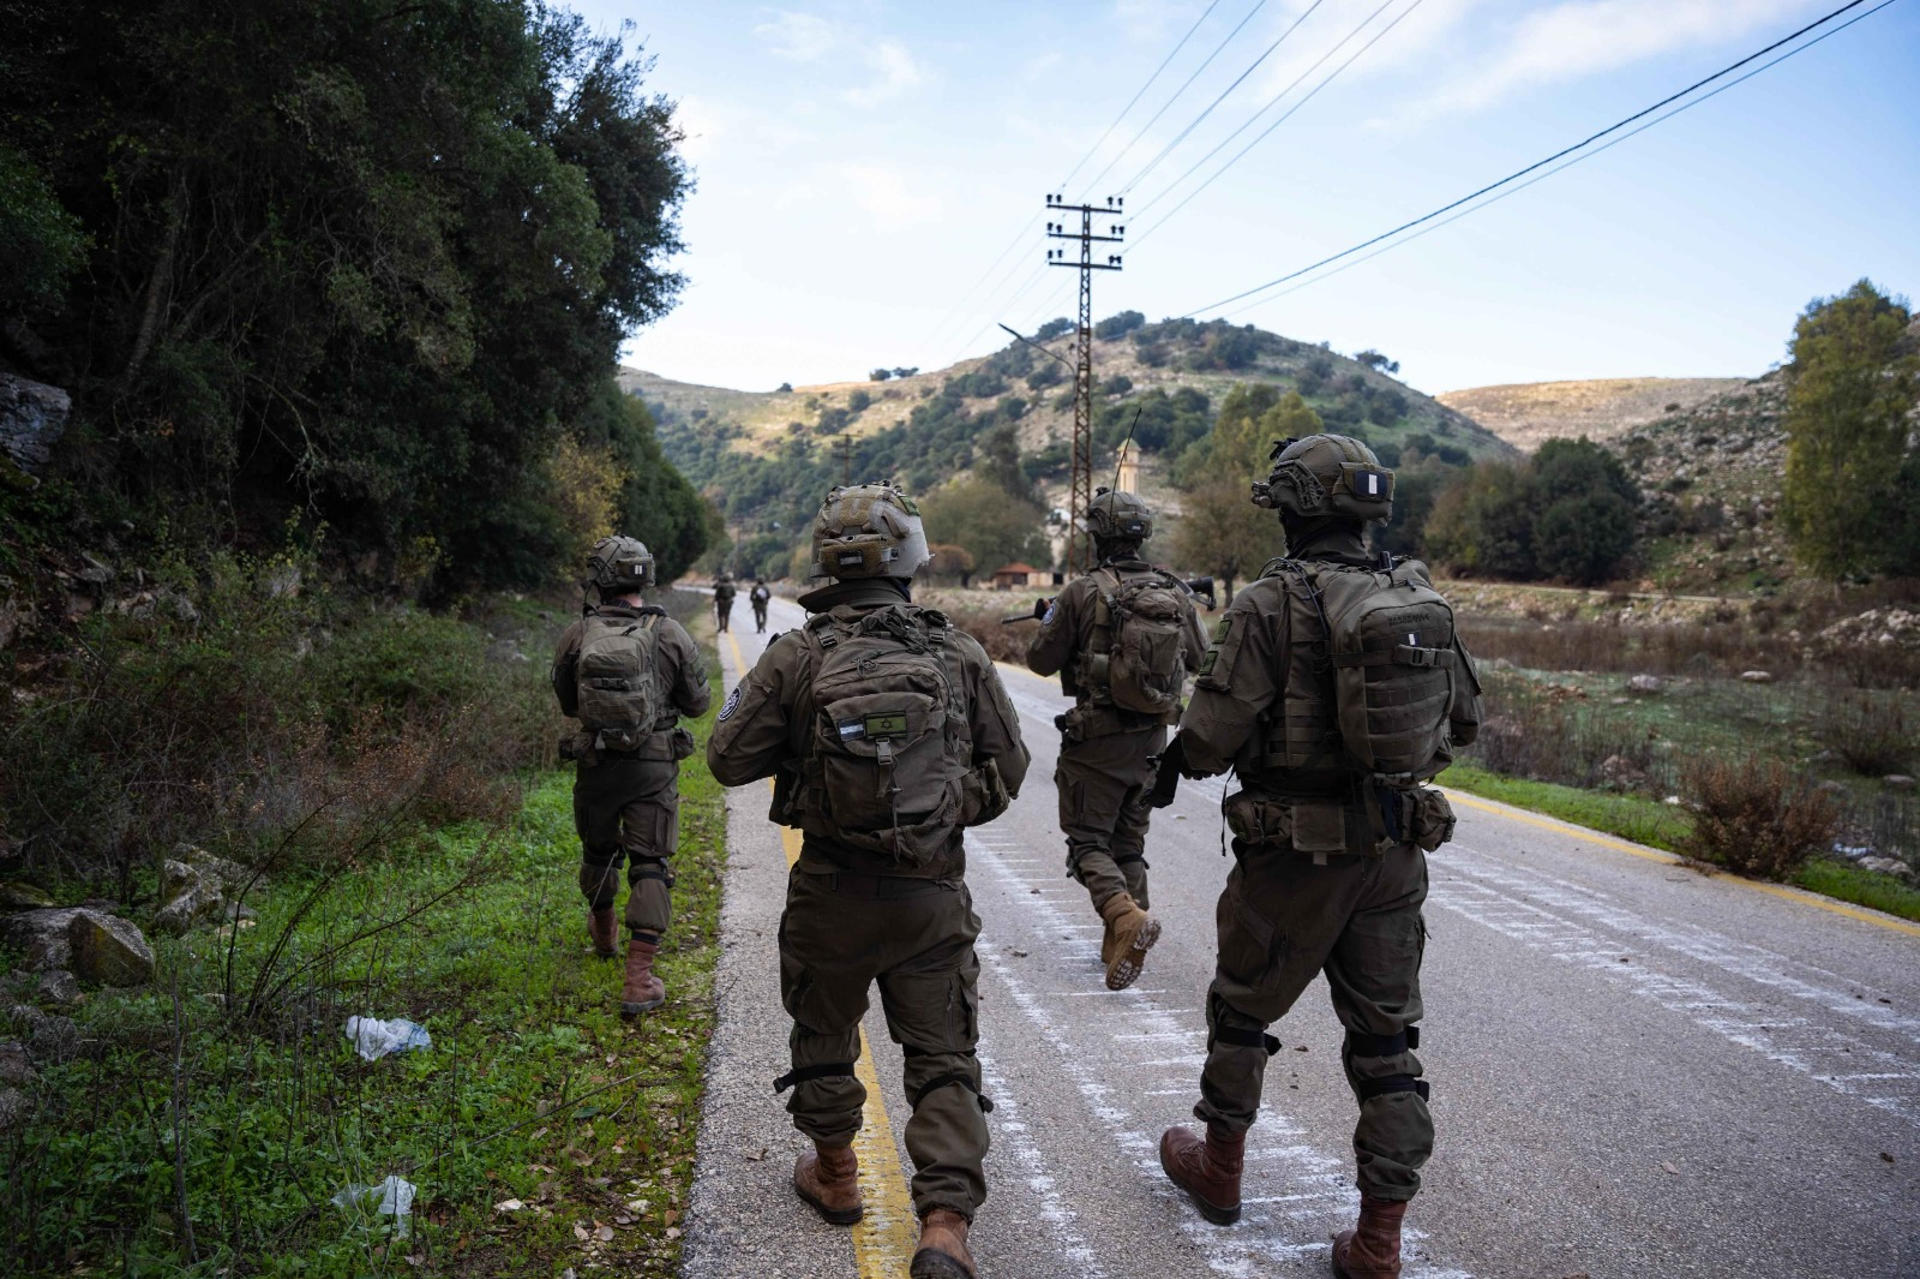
{"points": [[1371, 1250], [943, 1248], [603, 929], [1209, 1171], [1131, 933], [828, 1178], [643, 992]]}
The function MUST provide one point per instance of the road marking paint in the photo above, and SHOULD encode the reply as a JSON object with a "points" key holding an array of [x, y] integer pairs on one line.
{"points": [[1582, 833], [1013, 1143]]}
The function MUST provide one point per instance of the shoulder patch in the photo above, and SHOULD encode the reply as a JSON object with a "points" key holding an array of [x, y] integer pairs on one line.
{"points": [[1052, 608], [732, 703]]}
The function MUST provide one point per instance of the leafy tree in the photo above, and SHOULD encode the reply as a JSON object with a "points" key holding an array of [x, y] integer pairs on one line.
{"points": [[1053, 329], [993, 526], [1583, 538], [879, 375], [1374, 360], [1115, 327], [1568, 512], [1851, 385], [858, 401], [906, 372], [1221, 531]]}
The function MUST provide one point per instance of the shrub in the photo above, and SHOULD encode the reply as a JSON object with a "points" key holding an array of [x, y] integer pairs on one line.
{"points": [[1754, 817], [1874, 735]]}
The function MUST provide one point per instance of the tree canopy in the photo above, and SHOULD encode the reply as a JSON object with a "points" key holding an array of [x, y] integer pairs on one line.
{"points": [[369, 261]]}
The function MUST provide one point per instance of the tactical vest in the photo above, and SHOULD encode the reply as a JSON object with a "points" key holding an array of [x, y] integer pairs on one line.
{"points": [[617, 676], [885, 749], [1134, 655]]}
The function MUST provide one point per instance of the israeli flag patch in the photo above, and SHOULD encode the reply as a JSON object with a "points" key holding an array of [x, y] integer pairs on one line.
{"points": [[732, 703]]}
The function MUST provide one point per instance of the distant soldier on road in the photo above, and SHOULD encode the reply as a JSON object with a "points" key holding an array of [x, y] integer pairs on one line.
{"points": [[723, 593], [759, 597], [627, 672], [888, 733], [1335, 688], [1123, 639]]}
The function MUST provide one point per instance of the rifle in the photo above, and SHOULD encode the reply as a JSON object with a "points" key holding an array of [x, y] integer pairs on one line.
{"points": [[1203, 587], [1039, 613]]}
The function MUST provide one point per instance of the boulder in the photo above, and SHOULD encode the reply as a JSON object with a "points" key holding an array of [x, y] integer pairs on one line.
{"points": [[189, 894], [59, 987], [94, 945], [14, 1067], [1897, 781], [109, 950], [1646, 684], [1757, 677], [1621, 773], [33, 416], [14, 1108], [15, 895]]}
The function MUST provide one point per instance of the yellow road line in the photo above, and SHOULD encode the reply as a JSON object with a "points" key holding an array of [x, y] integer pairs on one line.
{"points": [[883, 1240], [1655, 855]]}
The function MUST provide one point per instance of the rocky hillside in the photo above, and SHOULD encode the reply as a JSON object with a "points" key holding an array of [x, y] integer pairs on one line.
{"points": [[1525, 414]]}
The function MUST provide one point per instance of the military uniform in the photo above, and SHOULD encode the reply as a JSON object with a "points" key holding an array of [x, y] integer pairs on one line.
{"points": [[1329, 875], [760, 597], [626, 804], [723, 592], [1106, 753]]}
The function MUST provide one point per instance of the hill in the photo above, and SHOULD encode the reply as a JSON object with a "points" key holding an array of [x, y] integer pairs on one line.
{"points": [[764, 458], [1525, 414]]}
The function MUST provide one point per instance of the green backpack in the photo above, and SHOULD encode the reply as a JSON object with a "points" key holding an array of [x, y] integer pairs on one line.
{"points": [[618, 680], [1135, 651], [1397, 667], [887, 752]]}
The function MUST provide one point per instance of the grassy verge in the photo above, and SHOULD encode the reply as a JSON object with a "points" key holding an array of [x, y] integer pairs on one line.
{"points": [[170, 1130], [1658, 825]]}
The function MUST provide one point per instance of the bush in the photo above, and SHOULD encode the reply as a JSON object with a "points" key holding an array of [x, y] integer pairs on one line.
{"points": [[1874, 735], [1754, 817]]}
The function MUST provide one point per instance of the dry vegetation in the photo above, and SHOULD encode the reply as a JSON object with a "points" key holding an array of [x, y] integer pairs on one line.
{"points": [[1526, 414]]}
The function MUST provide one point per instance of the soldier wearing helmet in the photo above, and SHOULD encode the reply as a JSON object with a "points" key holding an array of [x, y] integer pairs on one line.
{"points": [[1334, 688], [1122, 638], [723, 593], [628, 672], [888, 733]]}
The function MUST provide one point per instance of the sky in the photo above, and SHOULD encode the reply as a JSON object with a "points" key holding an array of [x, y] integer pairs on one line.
{"points": [[871, 177]]}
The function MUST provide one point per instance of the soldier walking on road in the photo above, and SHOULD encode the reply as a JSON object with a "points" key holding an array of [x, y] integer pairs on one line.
{"points": [[723, 592], [627, 672], [1123, 639], [888, 732], [1335, 688], [759, 597]]}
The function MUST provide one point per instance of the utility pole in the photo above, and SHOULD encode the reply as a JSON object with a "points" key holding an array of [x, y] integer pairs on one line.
{"points": [[1080, 490], [846, 457]]}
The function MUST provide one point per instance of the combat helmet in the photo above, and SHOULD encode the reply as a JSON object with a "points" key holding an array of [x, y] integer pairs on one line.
{"points": [[868, 530], [1123, 517], [1322, 476], [620, 565]]}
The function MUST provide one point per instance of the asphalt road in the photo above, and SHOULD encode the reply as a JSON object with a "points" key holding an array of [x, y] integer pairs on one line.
{"points": [[1636, 1070]]}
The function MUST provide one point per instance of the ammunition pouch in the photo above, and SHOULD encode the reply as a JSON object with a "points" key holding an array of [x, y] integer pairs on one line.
{"points": [[577, 746], [1316, 826], [1432, 819], [682, 743], [983, 795]]}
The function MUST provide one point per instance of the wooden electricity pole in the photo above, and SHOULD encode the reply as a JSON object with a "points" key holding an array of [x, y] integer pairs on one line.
{"points": [[1080, 490]]}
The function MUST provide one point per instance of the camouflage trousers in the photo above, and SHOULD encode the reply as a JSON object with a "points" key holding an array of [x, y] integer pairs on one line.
{"points": [[839, 935], [1281, 920], [628, 809], [1103, 784]]}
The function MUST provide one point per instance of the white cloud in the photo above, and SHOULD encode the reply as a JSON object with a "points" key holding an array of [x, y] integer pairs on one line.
{"points": [[698, 120], [799, 37], [894, 70], [888, 197], [1580, 38], [1041, 64]]}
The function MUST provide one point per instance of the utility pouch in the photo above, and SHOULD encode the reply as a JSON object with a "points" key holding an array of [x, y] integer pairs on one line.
{"points": [[682, 743], [577, 746], [1257, 821], [1071, 724], [983, 795], [1319, 827], [1432, 819]]}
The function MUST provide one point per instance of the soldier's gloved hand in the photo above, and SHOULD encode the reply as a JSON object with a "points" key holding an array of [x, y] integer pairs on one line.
{"points": [[1040, 607], [1166, 779]]}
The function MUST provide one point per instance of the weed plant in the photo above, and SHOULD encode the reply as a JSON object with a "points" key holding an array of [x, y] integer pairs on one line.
{"points": [[1752, 815]]}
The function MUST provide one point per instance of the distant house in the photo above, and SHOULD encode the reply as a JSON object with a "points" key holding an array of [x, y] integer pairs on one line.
{"points": [[1009, 576]]}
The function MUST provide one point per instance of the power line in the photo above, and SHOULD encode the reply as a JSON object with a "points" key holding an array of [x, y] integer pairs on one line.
{"points": [[1562, 167], [1181, 136], [1184, 86], [1271, 102], [1134, 100], [1021, 236], [1531, 168]]}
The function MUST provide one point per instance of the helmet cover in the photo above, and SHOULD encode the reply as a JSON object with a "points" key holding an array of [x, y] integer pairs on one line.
{"points": [[868, 530]]}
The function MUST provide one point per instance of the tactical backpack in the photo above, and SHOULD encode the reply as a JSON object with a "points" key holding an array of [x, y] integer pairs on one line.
{"points": [[1134, 654], [887, 750], [617, 675]]}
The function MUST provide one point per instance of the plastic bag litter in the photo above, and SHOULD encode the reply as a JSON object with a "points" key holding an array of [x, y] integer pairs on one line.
{"points": [[395, 1200], [375, 1038]]}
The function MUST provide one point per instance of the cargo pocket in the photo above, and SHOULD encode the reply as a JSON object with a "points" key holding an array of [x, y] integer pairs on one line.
{"points": [[1246, 942], [1432, 819]]}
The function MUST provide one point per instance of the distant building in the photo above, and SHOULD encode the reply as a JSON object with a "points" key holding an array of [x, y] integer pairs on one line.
{"points": [[1127, 474], [1008, 576]]}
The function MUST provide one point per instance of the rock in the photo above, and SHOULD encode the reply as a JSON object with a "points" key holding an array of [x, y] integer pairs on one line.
{"points": [[1897, 781], [14, 1067], [1621, 773], [96, 946], [109, 950], [1885, 865], [14, 1108], [1757, 677], [33, 417], [51, 1037], [231, 874], [60, 987], [94, 572], [190, 894], [15, 895], [1832, 787], [1646, 684]]}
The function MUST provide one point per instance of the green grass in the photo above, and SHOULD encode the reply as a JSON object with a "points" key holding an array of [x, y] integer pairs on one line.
{"points": [[534, 1090], [1664, 826]]}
